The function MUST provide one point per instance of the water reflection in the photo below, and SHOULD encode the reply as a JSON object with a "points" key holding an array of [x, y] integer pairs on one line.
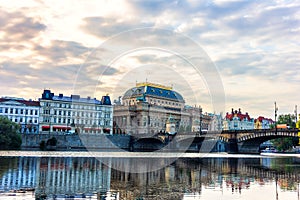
{"points": [[203, 178]]}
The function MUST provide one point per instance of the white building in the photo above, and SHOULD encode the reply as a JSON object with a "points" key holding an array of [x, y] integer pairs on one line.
{"points": [[23, 112], [70, 114], [216, 122], [238, 121]]}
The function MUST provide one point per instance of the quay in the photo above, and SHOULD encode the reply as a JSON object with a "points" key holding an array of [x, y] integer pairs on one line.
{"points": [[240, 141]]}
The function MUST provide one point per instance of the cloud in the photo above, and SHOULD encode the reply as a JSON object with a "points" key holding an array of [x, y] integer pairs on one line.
{"points": [[60, 51], [254, 44], [107, 27], [16, 26]]}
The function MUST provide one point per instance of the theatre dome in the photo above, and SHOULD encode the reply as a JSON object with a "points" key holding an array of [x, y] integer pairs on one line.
{"points": [[153, 90]]}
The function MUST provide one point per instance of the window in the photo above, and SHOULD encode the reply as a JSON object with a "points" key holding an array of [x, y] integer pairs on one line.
{"points": [[21, 111], [0, 110], [17, 111], [6, 110], [26, 112], [107, 115], [31, 112], [11, 111]]}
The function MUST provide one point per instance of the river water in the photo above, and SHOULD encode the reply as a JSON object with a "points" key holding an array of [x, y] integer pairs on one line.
{"points": [[119, 175]]}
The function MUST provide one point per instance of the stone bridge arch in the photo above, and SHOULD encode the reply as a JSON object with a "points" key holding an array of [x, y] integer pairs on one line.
{"points": [[252, 144], [248, 141]]}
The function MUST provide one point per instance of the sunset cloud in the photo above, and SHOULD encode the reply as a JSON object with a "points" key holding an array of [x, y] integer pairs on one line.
{"points": [[61, 44]]}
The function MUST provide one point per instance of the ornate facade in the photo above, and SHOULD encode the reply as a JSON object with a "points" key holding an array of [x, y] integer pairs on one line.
{"points": [[146, 108], [238, 121]]}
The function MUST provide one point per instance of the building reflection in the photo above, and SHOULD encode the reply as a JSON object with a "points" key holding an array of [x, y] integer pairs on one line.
{"points": [[20, 173], [53, 177], [71, 176]]}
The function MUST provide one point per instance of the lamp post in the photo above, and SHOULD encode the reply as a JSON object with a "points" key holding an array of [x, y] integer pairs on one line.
{"points": [[49, 125], [200, 122], [295, 114], [276, 109]]}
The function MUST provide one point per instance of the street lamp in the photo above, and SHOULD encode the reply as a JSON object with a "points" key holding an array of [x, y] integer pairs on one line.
{"points": [[295, 114], [276, 109], [200, 123]]}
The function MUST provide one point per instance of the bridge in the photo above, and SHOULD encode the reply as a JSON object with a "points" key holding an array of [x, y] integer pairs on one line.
{"points": [[235, 141], [248, 141]]}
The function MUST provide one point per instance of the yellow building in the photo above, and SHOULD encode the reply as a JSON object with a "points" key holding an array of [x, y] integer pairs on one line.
{"points": [[298, 127]]}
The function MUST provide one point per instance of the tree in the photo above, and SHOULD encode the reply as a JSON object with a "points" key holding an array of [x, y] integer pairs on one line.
{"points": [[283, 144], [288, 119], [10, 137]]}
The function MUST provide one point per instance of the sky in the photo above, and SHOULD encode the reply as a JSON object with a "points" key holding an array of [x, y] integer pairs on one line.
{"points": [[236, 53]]}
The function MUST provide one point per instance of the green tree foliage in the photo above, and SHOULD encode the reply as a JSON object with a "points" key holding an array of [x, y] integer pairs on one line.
{"points": [[283, 144], [9, 134], [288, 119]]}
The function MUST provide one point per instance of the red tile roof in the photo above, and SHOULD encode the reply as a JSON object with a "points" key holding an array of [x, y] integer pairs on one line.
{"points": [[237, 114], [260, 119]]}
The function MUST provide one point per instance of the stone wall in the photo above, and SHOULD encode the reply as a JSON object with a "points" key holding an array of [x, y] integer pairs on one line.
{"points": [[76, 142]]}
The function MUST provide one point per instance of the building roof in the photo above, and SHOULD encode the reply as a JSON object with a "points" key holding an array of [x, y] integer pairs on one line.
{"points": [[237, 114], [154, 90], [78, 100], [22, 101], [75, 98], [261, 118]]}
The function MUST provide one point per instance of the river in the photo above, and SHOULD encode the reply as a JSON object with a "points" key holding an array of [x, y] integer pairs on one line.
{"points": [[137, 176]]}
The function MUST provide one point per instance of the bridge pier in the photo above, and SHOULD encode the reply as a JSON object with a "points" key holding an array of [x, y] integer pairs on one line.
{"points": [[232, 146]]}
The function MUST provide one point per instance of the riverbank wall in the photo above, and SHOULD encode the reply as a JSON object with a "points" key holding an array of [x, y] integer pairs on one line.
{"points": [[77, 142]]}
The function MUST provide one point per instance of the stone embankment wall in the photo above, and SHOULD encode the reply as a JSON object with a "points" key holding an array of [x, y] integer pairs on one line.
{"points": [[76, 142]]}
